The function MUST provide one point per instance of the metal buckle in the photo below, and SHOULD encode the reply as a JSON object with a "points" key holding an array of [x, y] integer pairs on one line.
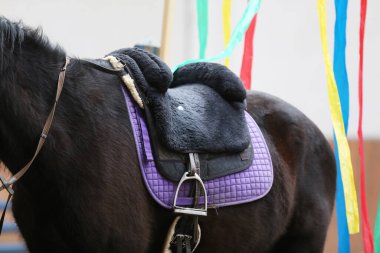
{"points": [[121, 61], [189, 210], [180, 237]]}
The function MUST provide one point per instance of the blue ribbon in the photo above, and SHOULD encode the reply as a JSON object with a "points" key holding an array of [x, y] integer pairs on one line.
{"points": [[341, 78], [202, 13], [237, 34]]}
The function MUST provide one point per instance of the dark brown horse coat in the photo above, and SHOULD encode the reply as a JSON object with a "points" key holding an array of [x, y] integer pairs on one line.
{"points": [[84, 193]]}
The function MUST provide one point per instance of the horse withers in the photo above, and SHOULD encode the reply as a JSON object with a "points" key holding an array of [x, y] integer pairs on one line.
{"points": [[85, 193]]}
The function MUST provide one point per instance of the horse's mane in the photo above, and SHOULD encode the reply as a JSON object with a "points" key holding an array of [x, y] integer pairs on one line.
{"points": [[13, 34]]}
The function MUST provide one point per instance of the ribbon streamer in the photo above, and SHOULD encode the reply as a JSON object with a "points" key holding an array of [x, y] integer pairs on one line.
{"points": [[343, 235], [246, 65], [367, 234], [226, 25], [341, 78], [202, 13], [337, 119], [377, 228], [237, 34]]}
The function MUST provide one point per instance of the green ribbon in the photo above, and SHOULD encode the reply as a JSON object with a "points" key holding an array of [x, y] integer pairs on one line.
{"points": [[237, 35], [202, 13], [377, 228]]}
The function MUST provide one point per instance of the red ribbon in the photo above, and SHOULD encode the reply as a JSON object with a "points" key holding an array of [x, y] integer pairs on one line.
{"points": [[367, 234], [246, 66]]}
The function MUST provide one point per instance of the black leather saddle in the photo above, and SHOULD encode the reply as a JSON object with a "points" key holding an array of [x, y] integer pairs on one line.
{"points": [[198, 109]]}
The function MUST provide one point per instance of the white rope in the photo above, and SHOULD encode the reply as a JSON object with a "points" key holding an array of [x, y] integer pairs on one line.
{"points": [[129, 82], [127, 79]]}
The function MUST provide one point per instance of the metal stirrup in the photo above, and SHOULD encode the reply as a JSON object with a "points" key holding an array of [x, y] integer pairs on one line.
{"points": [[192, 174]]}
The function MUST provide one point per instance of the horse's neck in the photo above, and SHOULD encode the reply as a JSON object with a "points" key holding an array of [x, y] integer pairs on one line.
{"points": [[25, 96]]}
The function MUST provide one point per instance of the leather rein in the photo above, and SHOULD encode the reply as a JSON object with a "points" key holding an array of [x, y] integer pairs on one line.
{"points": [[7, 184], [97, 64], [45, 131]]}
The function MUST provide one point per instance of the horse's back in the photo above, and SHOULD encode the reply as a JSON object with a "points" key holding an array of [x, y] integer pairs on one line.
{"points": [[305, 168], [298, 141], [295, 214]]}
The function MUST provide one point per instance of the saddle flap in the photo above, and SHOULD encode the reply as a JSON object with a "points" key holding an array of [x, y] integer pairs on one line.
{"points": [[172, 165], [213, 166]]}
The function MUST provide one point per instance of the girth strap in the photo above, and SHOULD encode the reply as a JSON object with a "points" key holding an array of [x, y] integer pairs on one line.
{"points": [[185, 234], [183, 241]]}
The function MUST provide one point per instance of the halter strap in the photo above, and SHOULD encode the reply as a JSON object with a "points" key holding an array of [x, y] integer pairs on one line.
{"points": [[44, 134]]}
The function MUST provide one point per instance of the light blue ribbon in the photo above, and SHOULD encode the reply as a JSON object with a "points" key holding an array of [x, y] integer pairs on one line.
{"points": [[237, 35], [341, 78], [202, 13]]}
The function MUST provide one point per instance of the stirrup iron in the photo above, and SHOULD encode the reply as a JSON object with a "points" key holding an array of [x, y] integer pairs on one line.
{"points": [[192, 174]]}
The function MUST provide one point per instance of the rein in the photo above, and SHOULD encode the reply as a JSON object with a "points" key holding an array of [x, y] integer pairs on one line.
{"points": [[7, 184]]}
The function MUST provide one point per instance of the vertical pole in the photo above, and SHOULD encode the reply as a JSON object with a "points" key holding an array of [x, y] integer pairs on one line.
{"points": [[166, 29]]}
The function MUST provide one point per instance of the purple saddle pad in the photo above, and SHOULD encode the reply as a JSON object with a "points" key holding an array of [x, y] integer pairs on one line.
{"points": [[248, 185]]}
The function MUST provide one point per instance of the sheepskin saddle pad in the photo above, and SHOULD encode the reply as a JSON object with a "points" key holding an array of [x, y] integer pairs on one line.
{"points": [[198, 109], [240, 187]]}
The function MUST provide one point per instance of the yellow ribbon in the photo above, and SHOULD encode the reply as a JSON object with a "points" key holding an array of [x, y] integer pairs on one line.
{"points": [[226, 25], [337, 119]]}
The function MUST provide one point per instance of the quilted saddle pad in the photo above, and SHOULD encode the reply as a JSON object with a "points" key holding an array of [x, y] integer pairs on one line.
{"points": [[248, 185]]}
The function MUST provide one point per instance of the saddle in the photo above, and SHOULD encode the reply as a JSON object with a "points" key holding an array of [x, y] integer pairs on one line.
{"points": [[198, 131], [197, 110]]}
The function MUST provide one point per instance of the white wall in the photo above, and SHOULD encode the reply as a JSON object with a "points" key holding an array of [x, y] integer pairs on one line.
{"points": [[288, 58]]}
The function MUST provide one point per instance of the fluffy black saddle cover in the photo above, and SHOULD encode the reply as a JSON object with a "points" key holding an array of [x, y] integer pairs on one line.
{"points": [[200, 108]]}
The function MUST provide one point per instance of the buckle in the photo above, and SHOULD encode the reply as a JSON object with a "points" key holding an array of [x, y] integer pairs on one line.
{"points": [[121, 61], [180, 237]]}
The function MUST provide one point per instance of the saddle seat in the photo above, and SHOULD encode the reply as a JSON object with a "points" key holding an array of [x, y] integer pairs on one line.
{"points": [[198, 109]]}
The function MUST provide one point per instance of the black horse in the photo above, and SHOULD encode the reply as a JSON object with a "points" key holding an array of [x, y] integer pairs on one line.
{"points": [[84, 192]]}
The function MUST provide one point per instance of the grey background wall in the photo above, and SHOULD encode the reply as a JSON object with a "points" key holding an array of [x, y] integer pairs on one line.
{"points": [[288, 57]]}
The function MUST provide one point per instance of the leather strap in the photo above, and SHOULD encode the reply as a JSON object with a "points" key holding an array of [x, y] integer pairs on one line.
{"points": [[4, 211], [183, 242], [99, 65], [179, 244], [187, 244], [184, 232], [45, 130]]}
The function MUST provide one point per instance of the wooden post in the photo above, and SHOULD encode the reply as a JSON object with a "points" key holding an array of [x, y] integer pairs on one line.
{"points": [[166, 29]]}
